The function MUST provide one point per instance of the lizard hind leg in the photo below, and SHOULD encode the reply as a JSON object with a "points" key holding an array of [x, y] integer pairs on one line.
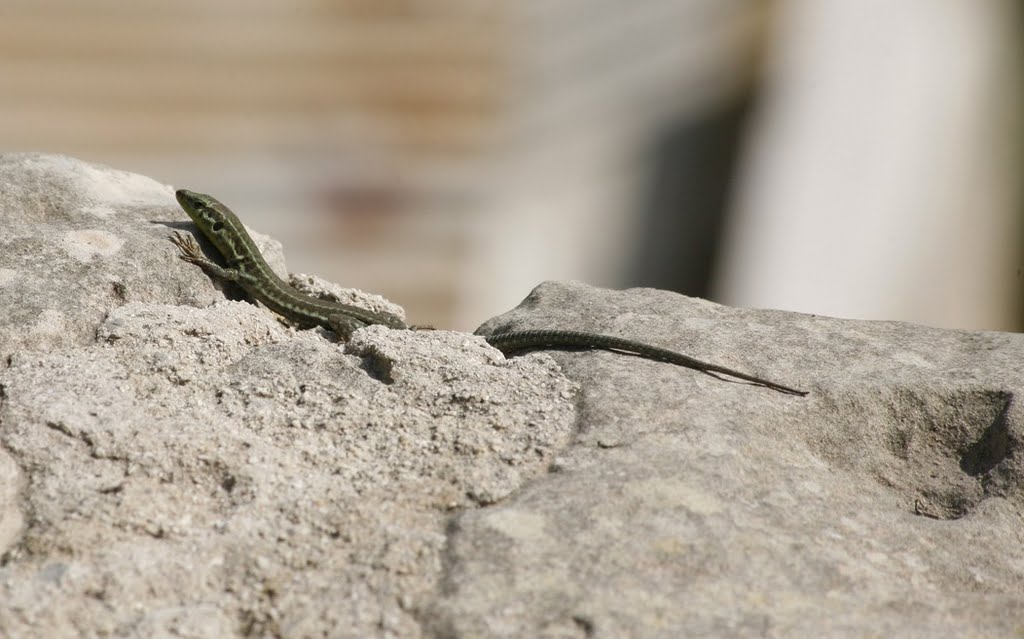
{"points": [[344, 325]]}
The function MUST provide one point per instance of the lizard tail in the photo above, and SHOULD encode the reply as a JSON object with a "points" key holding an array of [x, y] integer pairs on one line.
{"points": [[514, 341]]}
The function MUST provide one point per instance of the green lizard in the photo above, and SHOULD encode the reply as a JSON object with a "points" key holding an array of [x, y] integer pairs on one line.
{"points": [[247, 268]]}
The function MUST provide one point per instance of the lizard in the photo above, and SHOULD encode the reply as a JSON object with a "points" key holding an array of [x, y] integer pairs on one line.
{"points": [[246, 267]]}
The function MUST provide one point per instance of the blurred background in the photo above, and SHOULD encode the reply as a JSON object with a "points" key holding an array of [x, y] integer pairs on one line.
{"points": [[856, 159]]}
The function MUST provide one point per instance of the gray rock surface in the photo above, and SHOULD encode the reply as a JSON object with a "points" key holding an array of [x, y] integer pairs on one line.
{"points": [[178, 464]]}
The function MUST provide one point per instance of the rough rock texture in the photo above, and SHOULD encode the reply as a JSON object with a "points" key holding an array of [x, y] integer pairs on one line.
{"points": [[173, 470], [176, 464], [890, 502]]}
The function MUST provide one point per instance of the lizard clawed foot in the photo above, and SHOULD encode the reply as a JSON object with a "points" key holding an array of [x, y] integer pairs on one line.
{"points": [[188, 247]]}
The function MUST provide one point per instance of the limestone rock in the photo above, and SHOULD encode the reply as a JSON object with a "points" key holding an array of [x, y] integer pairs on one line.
{"points": [[174, 463]]}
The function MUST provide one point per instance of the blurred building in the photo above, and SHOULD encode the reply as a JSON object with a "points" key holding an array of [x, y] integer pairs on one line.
{"points": [[857, 159], [882, 178], [352, 130]]}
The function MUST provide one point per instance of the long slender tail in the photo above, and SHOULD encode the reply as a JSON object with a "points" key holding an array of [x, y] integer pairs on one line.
{"points": [[514, 341]]}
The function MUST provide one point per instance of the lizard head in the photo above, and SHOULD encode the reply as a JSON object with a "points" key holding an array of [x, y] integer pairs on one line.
{"points": [[216, 221]]}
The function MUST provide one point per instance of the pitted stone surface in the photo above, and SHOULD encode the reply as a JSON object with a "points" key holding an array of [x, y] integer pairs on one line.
{"points": [[173, 463]]}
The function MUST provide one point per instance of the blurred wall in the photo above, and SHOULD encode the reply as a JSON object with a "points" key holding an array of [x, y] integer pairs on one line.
{"points": [[352, 130], [850, 158]]}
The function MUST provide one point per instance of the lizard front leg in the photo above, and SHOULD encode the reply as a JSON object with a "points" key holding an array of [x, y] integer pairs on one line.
{"points": [[191, 253]]}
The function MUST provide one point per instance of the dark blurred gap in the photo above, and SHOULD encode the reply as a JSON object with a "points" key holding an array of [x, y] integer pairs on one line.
{"points": [[683, 215]]}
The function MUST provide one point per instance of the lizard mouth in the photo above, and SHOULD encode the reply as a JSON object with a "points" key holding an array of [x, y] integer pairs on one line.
{"points": [[187, 199]]}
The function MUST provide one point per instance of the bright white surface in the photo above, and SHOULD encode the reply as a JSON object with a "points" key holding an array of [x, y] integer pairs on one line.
{"points": [[882, 181]]}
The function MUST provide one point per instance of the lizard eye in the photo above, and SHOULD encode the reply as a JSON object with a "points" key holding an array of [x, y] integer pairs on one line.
{"points": [[217, 226]]}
